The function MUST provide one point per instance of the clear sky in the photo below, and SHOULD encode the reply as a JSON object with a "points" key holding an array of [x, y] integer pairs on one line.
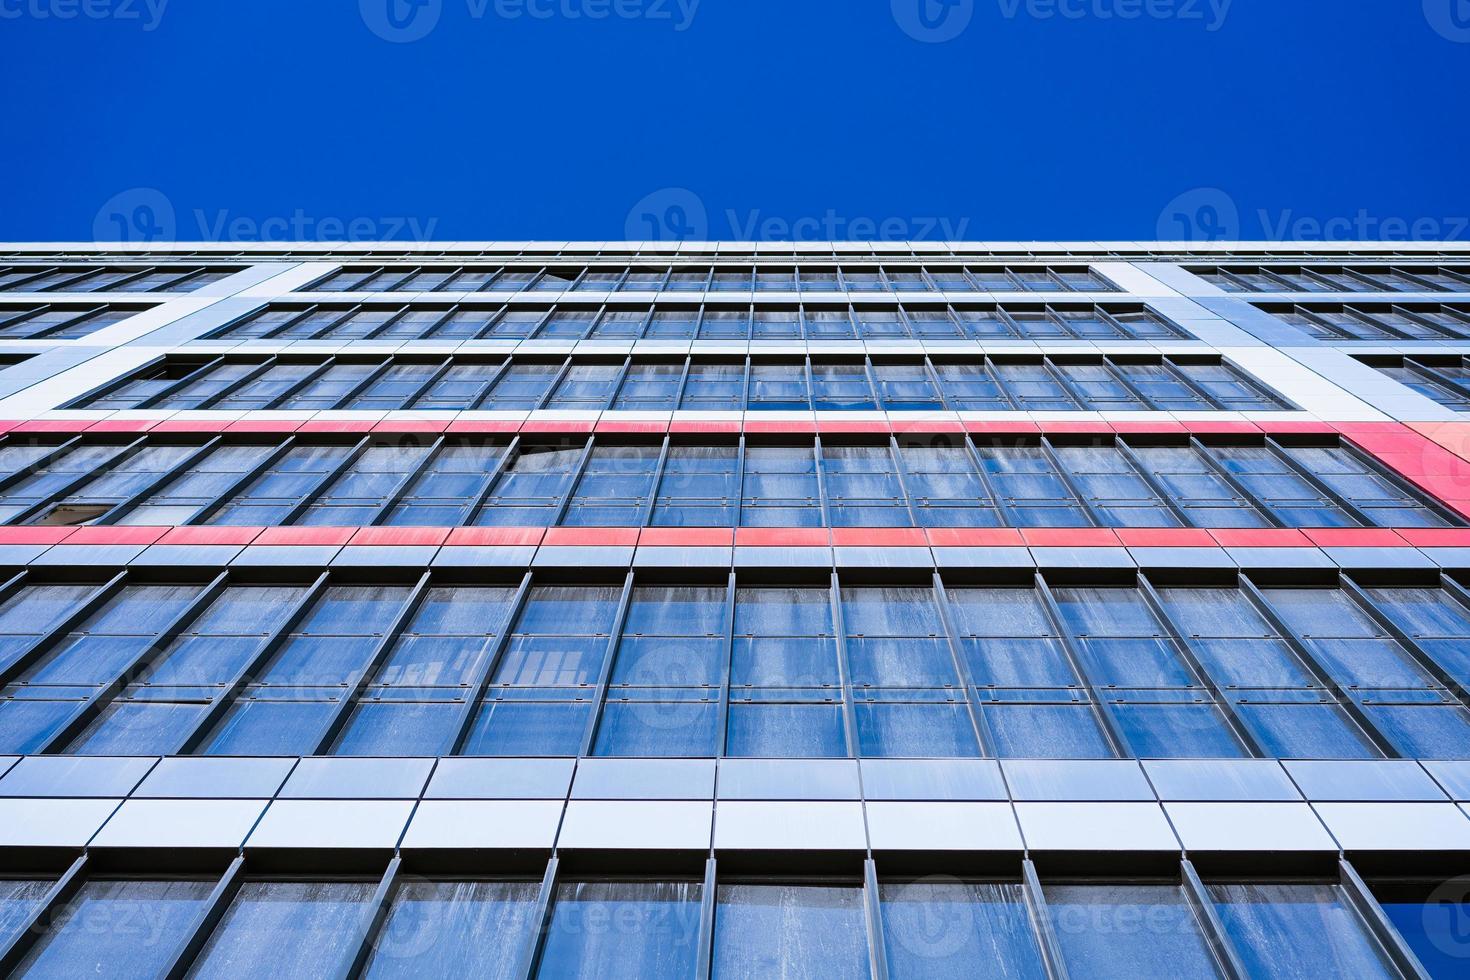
{"points": [[608, 119]]}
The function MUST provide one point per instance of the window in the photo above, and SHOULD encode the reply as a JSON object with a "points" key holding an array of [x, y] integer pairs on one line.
{"points": [[19, 898], [790, 930], [539, 702], [57, 322], [622, 930], [361, 491], [780, 488], [117, 929], [1298, 930], [288, 929], [615, 487], [59, 679], [937, 929], [664, 691], [786, 687], [1127, 931], [417, 697], [286, 708], [274, 494], [529, 491], [699, 487], [448, 928], [169, 695]]}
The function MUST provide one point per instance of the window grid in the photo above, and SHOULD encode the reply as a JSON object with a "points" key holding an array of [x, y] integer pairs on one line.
{"points": [[1025, 668], [55, 321], [86, 279], [546, 920], [629, 481], [857, 276], [1338, 278], [897, 383], [705, 321], [1377, 321]]}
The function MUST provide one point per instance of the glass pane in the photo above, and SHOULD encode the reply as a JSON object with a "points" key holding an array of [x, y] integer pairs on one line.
{"points": [[1128, 931], [117, 929], [286, 929], [455, 928], [950, 930], [646, 930], [1297, 931], [796, 932]]}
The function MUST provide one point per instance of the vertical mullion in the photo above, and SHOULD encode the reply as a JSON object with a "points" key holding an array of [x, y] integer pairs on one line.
{"points": [[1116, 741], [355, 957], [214, 910], [1181, 646], [895, 457], [530, 954], [480, 685], [1004, 511], [1116, 370], [844, 676], [411, 400], [706, 941], [565, 503], [619, 384], [683, 383], [1051, 950], [99, 699], [62, 627], [1425, 371], [1323, 676], [604, 673], [962, 669], [739, 510], [58, 452], [221, 701], [1368, 909], [722, 725], [1352, 509], [556, 382], [339, 715], [823, 504], [1082, 402], [35, 925], [1215, 935], [372, 376], [1173, 371], [646, 518], [872, 908], [496, 376]]}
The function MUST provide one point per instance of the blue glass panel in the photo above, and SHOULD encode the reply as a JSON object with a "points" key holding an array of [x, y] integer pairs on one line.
{"points": [[949, 930], [117, 929], [1305, 731], [399, 728], [785, 731], [1177, 731], [1128, 931], [795, 931], [657, 729], [534, 728], [915, 731], [605, 930], [1436, 926], [454, 928], [19, 897], [270, 728], [26, 725], [1045, 731], [286, 929], [1297, 930]]}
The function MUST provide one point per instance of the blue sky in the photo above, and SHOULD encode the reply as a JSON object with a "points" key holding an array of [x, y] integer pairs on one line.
{"points": [[604, 119]]}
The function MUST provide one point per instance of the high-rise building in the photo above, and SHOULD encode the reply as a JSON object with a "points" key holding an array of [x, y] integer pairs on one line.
{"points": [[683, 610]]}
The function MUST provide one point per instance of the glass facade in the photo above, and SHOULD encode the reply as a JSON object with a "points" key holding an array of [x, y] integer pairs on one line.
{"points": [[675, 610]]}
